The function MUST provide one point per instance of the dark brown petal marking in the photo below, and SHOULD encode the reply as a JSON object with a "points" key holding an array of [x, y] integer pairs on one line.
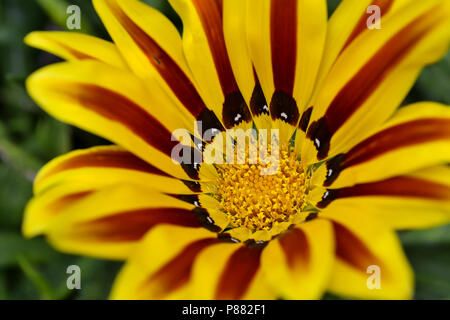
{"points": [[174, 76], [235, 110], [238, 273], [189, 198], [176, 273], [352, 250], [396, 137], [283, 35], [210, 13], [295, 247], [361, 26], [133, 225], [284, 107], [258, 103], [193, 185], [120, 109], [192, 168], [105, 158], [353, 95], [205, 220], [394, 187], [311, 216], [320, 135], [209, 121], [304, 120]]}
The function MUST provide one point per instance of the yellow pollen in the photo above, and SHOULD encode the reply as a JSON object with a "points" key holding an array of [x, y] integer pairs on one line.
{"points": [[258, 201]]}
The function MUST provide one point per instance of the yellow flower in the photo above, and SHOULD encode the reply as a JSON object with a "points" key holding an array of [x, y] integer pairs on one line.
{"points": [[352, 168]]}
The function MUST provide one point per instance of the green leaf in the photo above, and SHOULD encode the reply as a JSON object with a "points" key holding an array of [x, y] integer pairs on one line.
{"points": [[434, 236], [428, 252], [13, 246], [14, 194], [45, 290]]}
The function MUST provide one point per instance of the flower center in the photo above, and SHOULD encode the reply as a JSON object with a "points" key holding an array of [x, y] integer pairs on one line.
{"points": [[257, 200]]}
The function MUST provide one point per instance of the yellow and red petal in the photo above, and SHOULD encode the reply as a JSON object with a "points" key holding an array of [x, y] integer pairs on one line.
{"points": [[349, 21], [152, 47], [298, 264], [109, 222], [417, 136], [76, 46], [230, 271], [370, 263], [420, 199], [286, 40], [372, 77], [235, 36], [161, 266], [106, 165], [207, 56], [114, 104]]}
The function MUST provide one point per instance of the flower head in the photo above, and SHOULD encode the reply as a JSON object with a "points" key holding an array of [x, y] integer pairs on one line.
{"points": [[317, 211]]}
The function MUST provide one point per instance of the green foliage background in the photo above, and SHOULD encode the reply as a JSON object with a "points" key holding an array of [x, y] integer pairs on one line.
{"points": [[31, 269]]}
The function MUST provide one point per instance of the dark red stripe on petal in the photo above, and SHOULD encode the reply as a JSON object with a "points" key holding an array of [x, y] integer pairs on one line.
{"points": [[235, 109], [133, 225], [295, 247], [239, 273], [67, 200], [353, 95], [399, 136], [169, 70], [77, 54], [118, 108], [396, 137], [120, 159], [210, 13], [352, 250], [395, 187], [361, 26], [176, 273], [283, 24]]}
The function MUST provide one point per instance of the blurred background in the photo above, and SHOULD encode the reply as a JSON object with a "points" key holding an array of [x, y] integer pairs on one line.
{"points": [[31, 269]]}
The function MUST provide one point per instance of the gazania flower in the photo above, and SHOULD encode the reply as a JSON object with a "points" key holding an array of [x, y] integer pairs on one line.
{"points": [[352, 168]]}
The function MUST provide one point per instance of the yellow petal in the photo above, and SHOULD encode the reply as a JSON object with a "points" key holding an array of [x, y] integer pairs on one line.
{"points": [[161, 265], [417, 136], [76, 46], [106, 223], [370, 263], [207, 56], [298, 264], [286, 40], [229, 271], [152, 47], [105, 165], [373, 76], [112, 103], [348, 22], [420, 199]]}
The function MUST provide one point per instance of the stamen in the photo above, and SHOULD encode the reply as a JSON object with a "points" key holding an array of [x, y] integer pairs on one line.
{"points": [[258, 201]]}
